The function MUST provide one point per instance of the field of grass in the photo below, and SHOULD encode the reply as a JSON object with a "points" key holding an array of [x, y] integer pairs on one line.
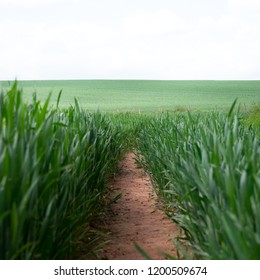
{"points": [[145, 95], [207, 169], [53, 168], [55, 162]]}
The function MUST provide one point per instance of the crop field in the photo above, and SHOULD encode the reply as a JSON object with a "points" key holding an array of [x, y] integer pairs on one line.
{"points": [[146, 96], [55, 161], [207, 168], [53, 166]]}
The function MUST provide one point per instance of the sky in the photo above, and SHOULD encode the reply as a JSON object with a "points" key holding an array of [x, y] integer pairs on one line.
{"points": [[130, 39]]}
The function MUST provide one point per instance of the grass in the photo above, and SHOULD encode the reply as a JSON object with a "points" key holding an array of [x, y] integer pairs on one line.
{"points": [[55, 162], [207, 169], [53, 168], [253, 117], [145, 96]]}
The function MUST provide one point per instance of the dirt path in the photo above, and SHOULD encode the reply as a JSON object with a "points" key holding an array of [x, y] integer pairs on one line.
{"points": [[136, 218]]}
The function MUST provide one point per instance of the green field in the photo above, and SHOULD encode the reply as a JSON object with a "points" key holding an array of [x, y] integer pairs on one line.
{"points": [[145, 95], [55, 164]]}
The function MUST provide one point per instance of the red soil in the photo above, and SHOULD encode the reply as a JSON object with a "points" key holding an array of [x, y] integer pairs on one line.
{"points": [[136, 218]]}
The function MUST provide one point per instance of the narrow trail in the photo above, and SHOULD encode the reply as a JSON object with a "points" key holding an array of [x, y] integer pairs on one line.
{"points": [[136, 218]]}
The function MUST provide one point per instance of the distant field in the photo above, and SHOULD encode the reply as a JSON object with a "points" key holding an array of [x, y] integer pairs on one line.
{"points": [[145, 95]]}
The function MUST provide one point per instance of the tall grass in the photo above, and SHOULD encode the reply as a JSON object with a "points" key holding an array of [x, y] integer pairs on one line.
{"points": [[207, 167], [130, 125], [53, 167]]}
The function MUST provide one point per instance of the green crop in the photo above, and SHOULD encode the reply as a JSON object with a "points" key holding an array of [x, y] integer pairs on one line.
{"points": [[145, 96], [207, 168], [53, 168], [253, 118], [54, 165]]}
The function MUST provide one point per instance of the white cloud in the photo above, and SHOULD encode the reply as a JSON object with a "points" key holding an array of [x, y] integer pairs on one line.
{"points": [[244, 4], [153, 23], [26, 3], [161, 43]]}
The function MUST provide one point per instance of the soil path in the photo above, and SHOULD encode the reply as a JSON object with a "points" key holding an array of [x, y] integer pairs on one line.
{"points": [[136, 218]]}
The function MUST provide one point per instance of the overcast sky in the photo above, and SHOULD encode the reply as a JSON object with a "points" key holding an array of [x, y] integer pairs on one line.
{"points": [[129, 39]]}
